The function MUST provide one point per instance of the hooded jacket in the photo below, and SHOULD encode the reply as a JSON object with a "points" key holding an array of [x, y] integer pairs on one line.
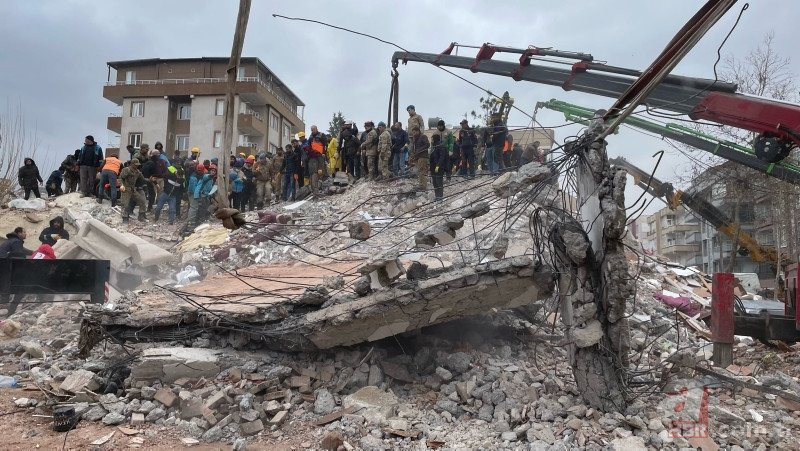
{"points": [[90, 155], [45, 252], [45, 236], [13, 247], [28, 176]]}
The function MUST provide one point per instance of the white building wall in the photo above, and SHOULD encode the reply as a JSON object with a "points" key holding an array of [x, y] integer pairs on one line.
{"points": [[153, 126], [273, 136], [203, 124]]}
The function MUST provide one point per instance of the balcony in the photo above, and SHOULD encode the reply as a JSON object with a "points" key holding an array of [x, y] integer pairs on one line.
{"points": [[252, 90], [680, 228], [251, 122], [114, 123], [679, 248]]}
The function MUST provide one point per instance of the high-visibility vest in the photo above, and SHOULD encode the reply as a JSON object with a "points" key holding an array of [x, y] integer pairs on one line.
{"points": [[317, 146]]}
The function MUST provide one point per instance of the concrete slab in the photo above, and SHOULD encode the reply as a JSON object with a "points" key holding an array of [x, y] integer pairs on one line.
{"points": [[171, 364], [122, 249]]}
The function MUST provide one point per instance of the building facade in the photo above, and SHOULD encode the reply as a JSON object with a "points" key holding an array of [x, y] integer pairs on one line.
{"points": [[181, 103], [674, 235]]}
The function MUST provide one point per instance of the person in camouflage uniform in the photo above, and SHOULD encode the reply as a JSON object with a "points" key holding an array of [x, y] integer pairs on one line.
{"points": [[129, 178], [263, 175], [419, 157], [370, 148], [384, 149], [414, 120], [276, 162]]}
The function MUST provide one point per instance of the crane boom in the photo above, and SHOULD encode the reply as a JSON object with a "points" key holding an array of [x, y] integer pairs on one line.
{"points": [[702, 141], [703, 208]]}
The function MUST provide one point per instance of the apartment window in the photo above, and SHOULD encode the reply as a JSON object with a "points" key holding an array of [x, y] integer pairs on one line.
{"points": [[130, 77], [135, 140], [287, 133], [182, 143], [240, 73], [184, 111], [217, 140], [137, 109], [274, 120], [219, 108], [669, 220]]}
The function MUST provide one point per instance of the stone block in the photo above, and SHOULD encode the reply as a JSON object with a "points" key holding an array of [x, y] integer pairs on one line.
{"points": [[166, 397], [251, 428], [191, 408], [171, 364], [279, 418], [80, 380], [137, 419]]}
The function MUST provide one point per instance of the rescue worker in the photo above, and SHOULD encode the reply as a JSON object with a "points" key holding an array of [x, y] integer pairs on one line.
{"points": [[334, 158], [349, 149], [249, 193], [195, 155], [29, 178], [108, 176], [290, 171], [148, 168], [399, 141], [532, 153], [44, 252], [302, 154], [275, 165], [447, 141], [132, 183], [384, 149], [466, 143], [495, 140], [72, 174], [262, 177], [53, 184], [419, 157], [369, 149], [14, 245], [180, 177], [55, 232], [437, 161], [194, 187], [89, 158], [131, 152], [237, 179], [508, 152], [167, 195], [316, 158]]}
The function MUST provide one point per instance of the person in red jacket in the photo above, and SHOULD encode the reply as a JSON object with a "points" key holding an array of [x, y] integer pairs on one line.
{"points": [[44, 252]]}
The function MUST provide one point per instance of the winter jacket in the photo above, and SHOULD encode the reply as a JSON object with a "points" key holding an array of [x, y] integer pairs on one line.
{"points": [[13, 247], [203, 188], [447, 139], [350, 144], [44, 252], [370, 142], [46, 235], [90, 155], [194, 181], [419, 146], [28, 175], [149, 168], [399, 139], [237, 180], [262, 171], [291, 163], [55, 179], [466, 138], [317, 144], [497, 136], [438, 159]]}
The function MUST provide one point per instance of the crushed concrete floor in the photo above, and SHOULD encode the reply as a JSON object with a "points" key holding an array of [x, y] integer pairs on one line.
{"points": [[210, 358]]}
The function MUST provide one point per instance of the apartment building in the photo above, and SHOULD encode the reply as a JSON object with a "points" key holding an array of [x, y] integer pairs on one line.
{"points": [[181, 102], [674, 235], [751, 208]]}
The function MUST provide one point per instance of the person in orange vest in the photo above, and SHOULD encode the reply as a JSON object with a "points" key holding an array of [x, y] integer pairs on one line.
{"points": [[508, 148], [316, 158], [108, 177]]}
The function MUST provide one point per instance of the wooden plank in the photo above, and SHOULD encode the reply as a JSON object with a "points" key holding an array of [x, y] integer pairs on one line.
{"points": [[331, 417]]}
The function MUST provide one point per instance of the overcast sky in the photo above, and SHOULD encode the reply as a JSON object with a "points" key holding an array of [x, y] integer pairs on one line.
{"points": [[54, 54]]}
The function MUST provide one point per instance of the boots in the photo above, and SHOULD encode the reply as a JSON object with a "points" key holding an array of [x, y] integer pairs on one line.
{"points": [[142, 217]]}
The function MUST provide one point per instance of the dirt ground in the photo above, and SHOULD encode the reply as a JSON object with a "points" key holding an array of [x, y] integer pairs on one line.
{"points": [[23, 431]]}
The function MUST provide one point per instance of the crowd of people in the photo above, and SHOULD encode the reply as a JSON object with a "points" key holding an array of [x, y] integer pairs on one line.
{"points": [[148, 181]]}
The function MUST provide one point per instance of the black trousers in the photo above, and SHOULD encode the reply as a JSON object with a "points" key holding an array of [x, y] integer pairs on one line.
{"points": [[438, 183], [34, 190]]}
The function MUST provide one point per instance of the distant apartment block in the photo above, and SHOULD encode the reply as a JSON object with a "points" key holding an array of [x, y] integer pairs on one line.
{"points": [[181, 102], [674, 235]]}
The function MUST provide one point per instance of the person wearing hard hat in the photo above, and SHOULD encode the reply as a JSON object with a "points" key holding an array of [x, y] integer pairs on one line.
{"points": [[195, 156]]}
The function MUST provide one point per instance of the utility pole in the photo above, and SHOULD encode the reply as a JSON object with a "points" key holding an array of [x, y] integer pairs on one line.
{"points": [[230, 113]]}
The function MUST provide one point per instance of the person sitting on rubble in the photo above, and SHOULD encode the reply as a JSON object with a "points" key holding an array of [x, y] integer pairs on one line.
{"points": [[132, 186], [55, 232], [29, 178], [13, 246], [53, 184], [108, 177], [167, 194]]}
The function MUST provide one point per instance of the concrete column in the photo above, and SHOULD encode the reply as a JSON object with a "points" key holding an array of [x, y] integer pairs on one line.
{"points": [[722, 319]]}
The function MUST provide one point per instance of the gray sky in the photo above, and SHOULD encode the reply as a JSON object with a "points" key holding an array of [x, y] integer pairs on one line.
{"points": [[54, 54]]}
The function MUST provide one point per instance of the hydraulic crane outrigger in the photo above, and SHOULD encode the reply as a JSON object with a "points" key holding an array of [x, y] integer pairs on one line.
{"points": [[776, 123]]}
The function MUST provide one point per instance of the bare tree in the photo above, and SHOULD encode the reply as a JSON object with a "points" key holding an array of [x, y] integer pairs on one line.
{"points": [[762, 72], [17, 142]]}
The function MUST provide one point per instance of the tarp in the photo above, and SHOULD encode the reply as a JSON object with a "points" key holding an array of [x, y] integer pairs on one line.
{"points": [[682, 303]]}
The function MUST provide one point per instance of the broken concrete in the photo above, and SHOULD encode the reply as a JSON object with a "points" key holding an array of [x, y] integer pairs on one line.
{"points": [[122, 249], [171, 364]]}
